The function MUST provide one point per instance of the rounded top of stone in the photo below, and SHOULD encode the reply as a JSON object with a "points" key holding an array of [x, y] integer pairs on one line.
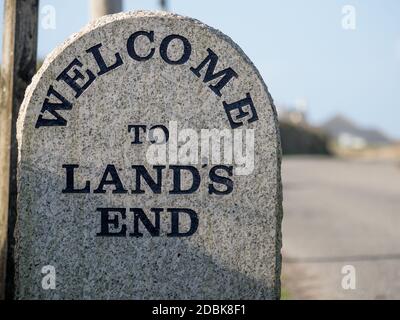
{"points": [[88, 115], [139, 14], [125, 16]]}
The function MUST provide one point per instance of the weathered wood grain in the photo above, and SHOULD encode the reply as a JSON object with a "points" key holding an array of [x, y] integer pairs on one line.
{"points": [[18, 67]]}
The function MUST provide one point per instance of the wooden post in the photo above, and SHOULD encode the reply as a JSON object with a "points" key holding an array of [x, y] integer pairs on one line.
{"points": [[17, 68], [164, 5], [99, 8]]}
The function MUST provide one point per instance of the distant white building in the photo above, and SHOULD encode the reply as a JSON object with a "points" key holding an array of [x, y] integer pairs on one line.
{"points": [[349, 135], [350, 141], [296, 114]]}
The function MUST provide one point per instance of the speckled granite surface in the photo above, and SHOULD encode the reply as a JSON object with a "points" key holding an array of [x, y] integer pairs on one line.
{"points": [[234, 252]]}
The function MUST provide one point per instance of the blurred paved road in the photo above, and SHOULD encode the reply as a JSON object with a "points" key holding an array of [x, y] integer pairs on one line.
{"points": [[337, 213]]}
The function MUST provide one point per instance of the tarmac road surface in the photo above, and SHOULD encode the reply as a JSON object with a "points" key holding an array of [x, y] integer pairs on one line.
{"points": [[338, 213]]}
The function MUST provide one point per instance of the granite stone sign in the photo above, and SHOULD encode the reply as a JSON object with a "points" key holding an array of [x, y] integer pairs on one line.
{"points": [[148, 168]]}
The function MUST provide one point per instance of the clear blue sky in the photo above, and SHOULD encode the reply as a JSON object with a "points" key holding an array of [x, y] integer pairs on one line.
{"points": [[299, 46]]}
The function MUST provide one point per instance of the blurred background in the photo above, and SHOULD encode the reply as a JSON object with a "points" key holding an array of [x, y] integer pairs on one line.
{"points": [[333, 69]]}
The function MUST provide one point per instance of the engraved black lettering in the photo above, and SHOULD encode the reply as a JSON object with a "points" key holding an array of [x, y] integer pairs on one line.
{"points": [[215, 177], [226, 74], [70, 181], [187, 49], [131, 45], [164, 129], [115, 180], [52, 108], [107, 221], [241, 114], [177, 177], [137, 128], [141, 171], [153, 229], [72, 80], [95, 51], [194, 222]]}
